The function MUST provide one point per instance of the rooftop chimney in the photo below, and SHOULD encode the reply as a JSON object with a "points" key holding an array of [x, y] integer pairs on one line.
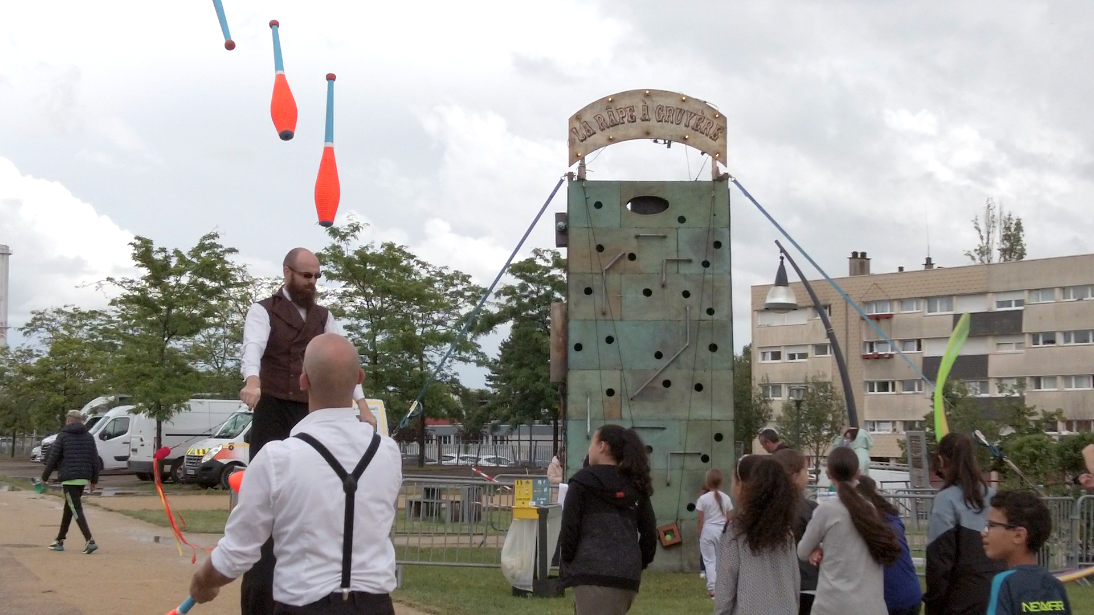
{"points": [[858, 264], [900, 269], [928, 264]]}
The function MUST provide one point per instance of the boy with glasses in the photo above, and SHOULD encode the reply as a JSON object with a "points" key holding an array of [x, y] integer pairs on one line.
{"points": [[1017, 527]]}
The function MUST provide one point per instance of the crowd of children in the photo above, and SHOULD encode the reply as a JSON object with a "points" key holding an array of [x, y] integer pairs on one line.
{"points": [[771, 550]]}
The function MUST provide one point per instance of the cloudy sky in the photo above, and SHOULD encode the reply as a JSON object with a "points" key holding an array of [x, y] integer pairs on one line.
{"points": [[860, 125]]}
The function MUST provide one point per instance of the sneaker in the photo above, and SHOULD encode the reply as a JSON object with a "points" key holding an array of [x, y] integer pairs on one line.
{"points": [[90, 548], [58, 545], [702, 575]]}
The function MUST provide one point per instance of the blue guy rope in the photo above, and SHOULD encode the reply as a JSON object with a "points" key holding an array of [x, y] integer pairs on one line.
{"points": [[415, 407], [846, 298]]}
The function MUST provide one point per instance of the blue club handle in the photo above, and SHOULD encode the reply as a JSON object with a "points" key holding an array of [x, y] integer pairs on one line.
{"points": [[185, 606]]}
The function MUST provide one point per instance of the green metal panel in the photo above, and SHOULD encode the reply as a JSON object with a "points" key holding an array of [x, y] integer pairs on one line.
{"points": [[649, 302]]}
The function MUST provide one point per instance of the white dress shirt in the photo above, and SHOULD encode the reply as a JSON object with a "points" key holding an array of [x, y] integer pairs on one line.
{"points": [[289, 490], [256, 334]]}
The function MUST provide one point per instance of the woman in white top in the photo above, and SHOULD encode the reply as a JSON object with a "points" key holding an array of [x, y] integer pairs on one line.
{"points": [[715, 508]]}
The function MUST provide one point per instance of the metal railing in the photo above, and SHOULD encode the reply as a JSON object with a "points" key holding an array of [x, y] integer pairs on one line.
{"points": [[451, 522]]}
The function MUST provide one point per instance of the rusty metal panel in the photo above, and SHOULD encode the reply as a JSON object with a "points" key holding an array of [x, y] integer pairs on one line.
{"points": [[559, 333], [593, 204], [650, 337], [647, 114]]}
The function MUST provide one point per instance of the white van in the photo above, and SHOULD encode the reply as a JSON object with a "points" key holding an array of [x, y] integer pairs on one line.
{"points": [[112, 435], [195, 423], [211, 461]]}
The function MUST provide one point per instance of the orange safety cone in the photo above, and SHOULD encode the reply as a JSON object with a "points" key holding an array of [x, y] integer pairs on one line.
{"points": [[282, 105], [327, 191]]}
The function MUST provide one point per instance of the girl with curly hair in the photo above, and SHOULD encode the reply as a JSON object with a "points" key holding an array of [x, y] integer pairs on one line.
{"points": [[757, 569]]}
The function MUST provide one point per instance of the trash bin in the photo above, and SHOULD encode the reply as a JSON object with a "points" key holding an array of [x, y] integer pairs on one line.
{"points": [[531, 540]]}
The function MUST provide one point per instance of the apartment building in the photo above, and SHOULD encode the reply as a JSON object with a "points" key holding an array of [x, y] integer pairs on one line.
{"points": [[1032, 324]]}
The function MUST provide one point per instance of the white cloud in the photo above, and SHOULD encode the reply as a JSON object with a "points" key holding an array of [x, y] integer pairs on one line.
{"points": [[60, 245]]}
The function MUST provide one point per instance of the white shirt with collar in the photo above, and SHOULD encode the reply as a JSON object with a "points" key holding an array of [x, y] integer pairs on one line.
{"points": [[291, 492], [256, 334]]}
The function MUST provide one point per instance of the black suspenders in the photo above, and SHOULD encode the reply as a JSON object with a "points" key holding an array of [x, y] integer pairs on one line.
{"points": [[349, 486]]}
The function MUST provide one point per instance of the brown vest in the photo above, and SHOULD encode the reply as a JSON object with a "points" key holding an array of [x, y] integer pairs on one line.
{"points": [[283, 361]]}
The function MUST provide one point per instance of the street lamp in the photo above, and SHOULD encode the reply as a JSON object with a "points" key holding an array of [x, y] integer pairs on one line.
{"points": [[797, 394], [781, 299]]}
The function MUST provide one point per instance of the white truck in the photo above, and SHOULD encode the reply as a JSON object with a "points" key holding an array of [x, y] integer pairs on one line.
{"points": [[196, 422]]}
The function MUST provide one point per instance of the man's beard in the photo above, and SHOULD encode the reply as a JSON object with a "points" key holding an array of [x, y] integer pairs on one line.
{"points": [[303, 296]]}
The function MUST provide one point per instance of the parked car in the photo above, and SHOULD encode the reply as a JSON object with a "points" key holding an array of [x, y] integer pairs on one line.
{"points": [[211, 461], [458, 460], [412, 459], [494, 461], [36, 453]]}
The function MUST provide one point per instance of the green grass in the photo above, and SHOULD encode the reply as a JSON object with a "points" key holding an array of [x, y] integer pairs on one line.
{"points": [[197, 521], [484, 591]]}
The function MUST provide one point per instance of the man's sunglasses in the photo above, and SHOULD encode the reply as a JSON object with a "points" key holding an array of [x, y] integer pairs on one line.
{"points": [[307, 275]]}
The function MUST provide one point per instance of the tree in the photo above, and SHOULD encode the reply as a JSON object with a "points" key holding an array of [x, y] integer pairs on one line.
{"points": [[997, 227], [520, 377], [16, 394], [72, 370], [160, 314], [984, 252], [822, 418], [217, 349], [752, 409], [1012, 239], [402, 313]]}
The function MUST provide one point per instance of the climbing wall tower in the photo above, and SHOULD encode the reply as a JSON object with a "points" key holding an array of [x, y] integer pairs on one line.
{"points": [[649, 334]]}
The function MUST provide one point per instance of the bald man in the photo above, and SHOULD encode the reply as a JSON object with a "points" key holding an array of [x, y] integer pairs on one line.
{"points": [[275, 334], [304, 489]]}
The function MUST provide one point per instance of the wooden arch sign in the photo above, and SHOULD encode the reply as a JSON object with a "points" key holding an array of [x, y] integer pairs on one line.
{"points": [[648, 114]]}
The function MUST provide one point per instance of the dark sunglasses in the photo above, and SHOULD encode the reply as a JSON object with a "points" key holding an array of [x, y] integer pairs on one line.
{"points": [[307, 275]]}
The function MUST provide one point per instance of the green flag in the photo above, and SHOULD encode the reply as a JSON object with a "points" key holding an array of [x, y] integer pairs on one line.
{"points": [[957, 340]]}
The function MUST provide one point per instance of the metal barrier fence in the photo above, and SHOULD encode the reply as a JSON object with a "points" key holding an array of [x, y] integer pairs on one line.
{"points": [[459, 522]]}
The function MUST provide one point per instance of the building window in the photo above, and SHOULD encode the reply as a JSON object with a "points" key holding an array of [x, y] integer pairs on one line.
{"points": [[1042, 383], [797, 353], [911, 305], [1010, 343], [935, 346], [913, 425], [977, 388], [1043, 339], [1075, 293], [1085, 381], [1084, 425], [827, 312], [911, 386], [772, 391], [1009, 304], [821, 350], [879, 426], [771, 355], [940, 305], [879, 347], [911, 345], [880, 386], [1042, 295], [1076, 337], [883, 306], [1009, 387]]}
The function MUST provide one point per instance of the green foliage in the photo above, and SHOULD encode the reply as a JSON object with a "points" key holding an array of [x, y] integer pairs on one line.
{"points": [[402, 313], [160, 313], [1069, 453], [822, 418], [520, 377], [996, 226], [751, 409]]}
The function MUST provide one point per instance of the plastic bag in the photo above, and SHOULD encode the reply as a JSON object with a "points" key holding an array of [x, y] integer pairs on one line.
{"points": [[518, 554]]}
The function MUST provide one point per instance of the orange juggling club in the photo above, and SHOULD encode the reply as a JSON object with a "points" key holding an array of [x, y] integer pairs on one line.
{"points": [[282, 105], [327, 191]]}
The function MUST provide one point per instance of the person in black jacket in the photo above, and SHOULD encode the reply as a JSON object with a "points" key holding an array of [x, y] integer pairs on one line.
{"points": [[76, 459], [609, 533], [796, 467]]}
